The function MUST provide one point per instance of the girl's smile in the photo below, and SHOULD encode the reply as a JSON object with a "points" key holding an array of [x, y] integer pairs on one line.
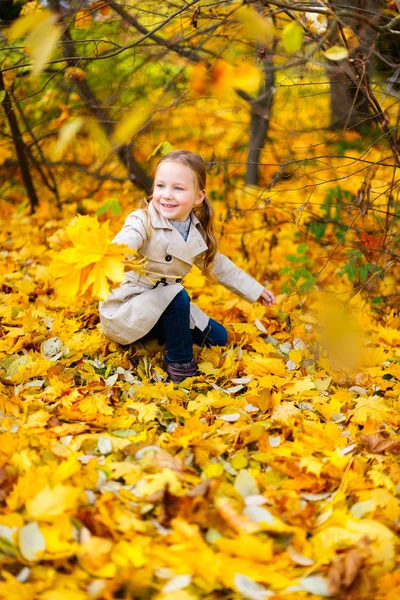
{"points": [[175, 191]]}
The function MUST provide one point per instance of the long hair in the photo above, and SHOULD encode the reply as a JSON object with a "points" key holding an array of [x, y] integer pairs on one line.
{"points": [[204, 211]]}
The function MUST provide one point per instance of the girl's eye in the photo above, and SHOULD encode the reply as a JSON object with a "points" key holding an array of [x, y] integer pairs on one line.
{"points": [[159, 185], [179, 188]]}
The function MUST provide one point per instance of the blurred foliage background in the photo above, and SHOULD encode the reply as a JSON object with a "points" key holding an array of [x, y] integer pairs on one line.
{"points": [[293, 106]]}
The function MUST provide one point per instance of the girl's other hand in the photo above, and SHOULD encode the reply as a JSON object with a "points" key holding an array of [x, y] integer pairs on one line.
{"points": [[267, 298]]}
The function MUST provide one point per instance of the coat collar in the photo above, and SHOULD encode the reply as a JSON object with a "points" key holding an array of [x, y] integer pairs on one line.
{"points": [[160, 222], [177, 246]]}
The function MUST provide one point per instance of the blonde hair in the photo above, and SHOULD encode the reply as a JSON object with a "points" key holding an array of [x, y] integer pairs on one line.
{"points": [[204, 211]]}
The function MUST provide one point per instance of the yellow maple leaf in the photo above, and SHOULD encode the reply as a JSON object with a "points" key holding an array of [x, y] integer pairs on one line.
{"points": [[94, 557], [301, 385], [28, 367], [66, 469], [126, 554], [49, 503], [91, 262], [59, 538], [63, 594], [311, 465], [146, 412], [38, 419], [94, 404], [247, 546], [371, 408], [341, 531], [264, 365]]}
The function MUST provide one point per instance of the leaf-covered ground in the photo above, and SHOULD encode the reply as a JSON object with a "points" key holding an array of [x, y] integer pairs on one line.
{"points": [[272, 474]]}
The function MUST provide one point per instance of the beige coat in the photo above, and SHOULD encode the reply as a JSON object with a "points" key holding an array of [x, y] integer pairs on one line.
{"points": [[131, 310]]}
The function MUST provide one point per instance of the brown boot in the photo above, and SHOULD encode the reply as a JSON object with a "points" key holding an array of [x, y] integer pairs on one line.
{"points": [[179, 371]]}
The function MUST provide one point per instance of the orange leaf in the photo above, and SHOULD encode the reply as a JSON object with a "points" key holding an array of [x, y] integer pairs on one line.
{"points": [[371, 245], [378, 443], [237, 522]]}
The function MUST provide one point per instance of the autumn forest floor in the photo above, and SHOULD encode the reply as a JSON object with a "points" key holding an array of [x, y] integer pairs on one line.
{"points": [[274, 473]]}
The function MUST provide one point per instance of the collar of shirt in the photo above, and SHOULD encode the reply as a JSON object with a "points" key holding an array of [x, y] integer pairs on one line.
{"points": [[182, 226]]}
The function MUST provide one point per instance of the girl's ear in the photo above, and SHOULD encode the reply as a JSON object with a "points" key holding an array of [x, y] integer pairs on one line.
{"points": [[200, 197]]}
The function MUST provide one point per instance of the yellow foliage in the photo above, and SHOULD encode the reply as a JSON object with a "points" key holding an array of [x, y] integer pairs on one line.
{"points": [[49, 503], [278, 461], [221, 77], [67, 133], [343, 531], [255, 25], [90, 262]]}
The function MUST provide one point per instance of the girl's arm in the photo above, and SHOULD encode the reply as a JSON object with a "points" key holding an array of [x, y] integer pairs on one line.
{"points": [[238, 281], [133, 233]]}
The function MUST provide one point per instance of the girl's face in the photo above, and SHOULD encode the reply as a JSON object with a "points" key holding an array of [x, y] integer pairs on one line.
{"points": [[175, 191]]}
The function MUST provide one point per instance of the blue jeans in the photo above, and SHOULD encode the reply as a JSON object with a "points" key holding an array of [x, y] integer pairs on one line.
{"points": [[173, 329]]}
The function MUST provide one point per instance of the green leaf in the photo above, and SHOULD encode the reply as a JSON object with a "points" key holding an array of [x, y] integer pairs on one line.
{"points": [[317, 229], [363, 270], [351, 273], [22, 207], [336, 53], [113, 205], [162, 147], [124, 433], [302, 248], [292, 37], [2, 96]]}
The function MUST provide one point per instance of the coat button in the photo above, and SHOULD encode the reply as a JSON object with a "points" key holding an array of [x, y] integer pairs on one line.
{"points": [[168, 258], [178, 280]]}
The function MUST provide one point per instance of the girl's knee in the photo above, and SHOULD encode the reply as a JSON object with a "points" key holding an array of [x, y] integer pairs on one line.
{"points": [[218, 335], [222, 337], [183, 298]]}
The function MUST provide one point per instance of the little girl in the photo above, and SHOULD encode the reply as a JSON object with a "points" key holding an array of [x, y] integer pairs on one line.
{"points": [[173, 231]]}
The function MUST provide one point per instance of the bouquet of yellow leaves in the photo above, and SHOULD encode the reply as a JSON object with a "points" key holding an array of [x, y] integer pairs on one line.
{"points": [[86, 263]]}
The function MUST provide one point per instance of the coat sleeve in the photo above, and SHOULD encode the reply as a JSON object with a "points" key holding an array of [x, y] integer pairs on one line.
{"points": [[133, 233], [234, 279]]}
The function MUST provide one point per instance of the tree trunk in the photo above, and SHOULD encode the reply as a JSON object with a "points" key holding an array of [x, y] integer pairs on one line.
{"points": [[135, 171], [19, 146], [349, 105], [260, 116]]}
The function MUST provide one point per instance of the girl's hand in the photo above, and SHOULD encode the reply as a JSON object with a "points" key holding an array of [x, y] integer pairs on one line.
{"points": [[267, 298]]}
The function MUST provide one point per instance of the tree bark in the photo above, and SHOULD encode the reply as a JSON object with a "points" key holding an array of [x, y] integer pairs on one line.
{"points": [[261, 109], [135, 171], [19, 146], [349, 105]]}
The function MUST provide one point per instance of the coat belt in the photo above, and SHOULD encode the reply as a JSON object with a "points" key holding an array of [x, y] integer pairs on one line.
{"points": [[163, 281]]}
